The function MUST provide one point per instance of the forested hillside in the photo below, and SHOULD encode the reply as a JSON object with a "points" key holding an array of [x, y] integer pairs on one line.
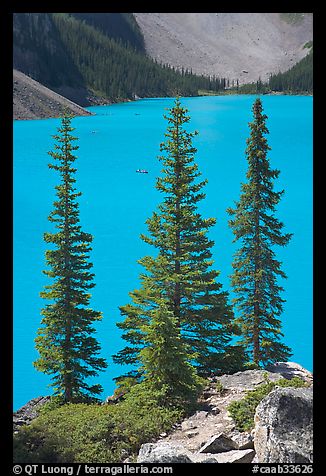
{"points": [[40, 53], [298, 79], [118, 26], [118, 71], [84, 55]]}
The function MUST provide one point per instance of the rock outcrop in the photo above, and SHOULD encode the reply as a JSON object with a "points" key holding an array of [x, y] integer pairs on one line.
{"points": [[210, 435], [290, 370], [163, 453], [248, 379], [27, 413], [284, 426]]}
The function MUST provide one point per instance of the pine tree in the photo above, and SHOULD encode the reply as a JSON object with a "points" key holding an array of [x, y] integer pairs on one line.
{"points": [[165, 360], [67, 349], [181, 274], [256, 270]]}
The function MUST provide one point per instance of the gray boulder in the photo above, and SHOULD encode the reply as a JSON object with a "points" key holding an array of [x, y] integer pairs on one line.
{"points": [[247, 380], [217, 444], [232, 456], [236, 456], [284, 426], [171, 452], [289, 370], [163, 452], [243, 440]]}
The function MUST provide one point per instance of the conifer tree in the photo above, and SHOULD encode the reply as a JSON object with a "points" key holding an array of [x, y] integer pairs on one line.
{"points": [[181, 274], [256, 274], [166, 360], [67, 349]]}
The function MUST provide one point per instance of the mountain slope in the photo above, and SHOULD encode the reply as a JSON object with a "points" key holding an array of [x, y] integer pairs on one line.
{"points": [[243, 46], [32, 100]]}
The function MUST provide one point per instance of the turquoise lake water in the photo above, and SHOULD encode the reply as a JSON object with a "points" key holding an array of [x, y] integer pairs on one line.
{"points": [[116, 201]]}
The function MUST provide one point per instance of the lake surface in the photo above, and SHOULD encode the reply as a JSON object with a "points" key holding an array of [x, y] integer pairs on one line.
{"points": [[116, 201]]}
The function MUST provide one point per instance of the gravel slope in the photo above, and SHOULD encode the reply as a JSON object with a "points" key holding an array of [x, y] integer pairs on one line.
{"points": [[243, 46], [32, 100]]}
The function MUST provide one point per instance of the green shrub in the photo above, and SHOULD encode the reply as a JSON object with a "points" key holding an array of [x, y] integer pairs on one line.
{"points": [[295, 382], [81, 433], [70, 433], [251, 366], [219, 387], [140, 418], [52, 404], [243, 411]]}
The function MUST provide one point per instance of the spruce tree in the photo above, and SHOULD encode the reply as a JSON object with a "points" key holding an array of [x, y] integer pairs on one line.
{"points": [[67, 349], [256, 274], [165, 361], [181, 273]]}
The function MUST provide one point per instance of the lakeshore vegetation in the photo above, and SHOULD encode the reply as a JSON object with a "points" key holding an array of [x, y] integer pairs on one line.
{"points": [[180, 326]]}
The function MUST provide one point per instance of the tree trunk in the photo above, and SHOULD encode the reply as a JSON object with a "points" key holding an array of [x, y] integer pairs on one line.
{"points": [[257, 251]]}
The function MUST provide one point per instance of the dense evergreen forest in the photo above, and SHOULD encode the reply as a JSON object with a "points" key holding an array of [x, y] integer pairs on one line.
{"points": [[39, 52], [118, 26]]}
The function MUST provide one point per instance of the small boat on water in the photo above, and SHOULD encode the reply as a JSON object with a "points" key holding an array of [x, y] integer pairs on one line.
{"points": [[142, 171]]}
